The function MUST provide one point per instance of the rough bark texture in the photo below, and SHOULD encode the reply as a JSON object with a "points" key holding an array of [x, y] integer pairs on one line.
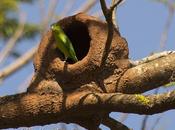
{"points": [[145, 77], [86, 92], [80, 107]]}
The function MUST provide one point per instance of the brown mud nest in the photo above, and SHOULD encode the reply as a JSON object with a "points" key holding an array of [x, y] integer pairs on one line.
{"points": [[88, 35]]}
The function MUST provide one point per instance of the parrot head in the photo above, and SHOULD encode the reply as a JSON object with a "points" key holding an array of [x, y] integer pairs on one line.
{"points": [[56, 28]]}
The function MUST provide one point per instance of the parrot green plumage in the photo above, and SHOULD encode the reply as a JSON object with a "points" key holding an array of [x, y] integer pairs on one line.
{"points": [[170, 84], [63, 43]]}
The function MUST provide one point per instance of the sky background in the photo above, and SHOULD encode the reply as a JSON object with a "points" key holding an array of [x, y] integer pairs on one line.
{"points": [[141, 22]]}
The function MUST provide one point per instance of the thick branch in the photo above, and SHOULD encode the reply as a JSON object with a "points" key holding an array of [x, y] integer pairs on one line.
{"points": [[39, 109], [147, 76]]}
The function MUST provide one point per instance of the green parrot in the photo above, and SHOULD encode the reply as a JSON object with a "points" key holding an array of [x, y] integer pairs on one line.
{"points": [[63, 43]]}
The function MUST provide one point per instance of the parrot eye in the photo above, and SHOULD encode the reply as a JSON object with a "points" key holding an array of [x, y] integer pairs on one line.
{"points": [[52, 26]]}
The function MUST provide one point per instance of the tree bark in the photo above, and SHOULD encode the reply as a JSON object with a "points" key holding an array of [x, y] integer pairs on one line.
{"points": [[39, 109]]}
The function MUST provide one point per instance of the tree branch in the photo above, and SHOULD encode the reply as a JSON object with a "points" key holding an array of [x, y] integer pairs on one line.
{"points": [[115, 4], [143, 124], [67, 8], [47, 19], [164, 35], [29, 109], [86, 6], [12, 41], [104, 8], [17, 64], [108, 16], [114, 124], [151, 57], [114, 14], [123, 117], [147, 76]]}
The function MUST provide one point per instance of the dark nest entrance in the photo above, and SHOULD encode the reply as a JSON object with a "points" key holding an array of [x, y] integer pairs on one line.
{"points": [[79, 36]]}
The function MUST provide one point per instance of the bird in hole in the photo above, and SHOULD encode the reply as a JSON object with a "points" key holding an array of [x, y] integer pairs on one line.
{"points": [[63, 43]]}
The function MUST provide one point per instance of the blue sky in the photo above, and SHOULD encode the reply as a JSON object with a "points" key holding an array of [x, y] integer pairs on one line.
{"points": [[141, 22]]}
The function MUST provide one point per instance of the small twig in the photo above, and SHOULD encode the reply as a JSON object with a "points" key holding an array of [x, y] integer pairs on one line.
{"points": [[114, 124], [47, 19], [17, 64], [143, 124], [151, 58], [104, 9], [115, 4], [164, 35], [114, 18], [156, 122], [12, 41], [108, 16], [67, 8], [42, 10], [123, 117], [87, 6], [114, 14]]}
